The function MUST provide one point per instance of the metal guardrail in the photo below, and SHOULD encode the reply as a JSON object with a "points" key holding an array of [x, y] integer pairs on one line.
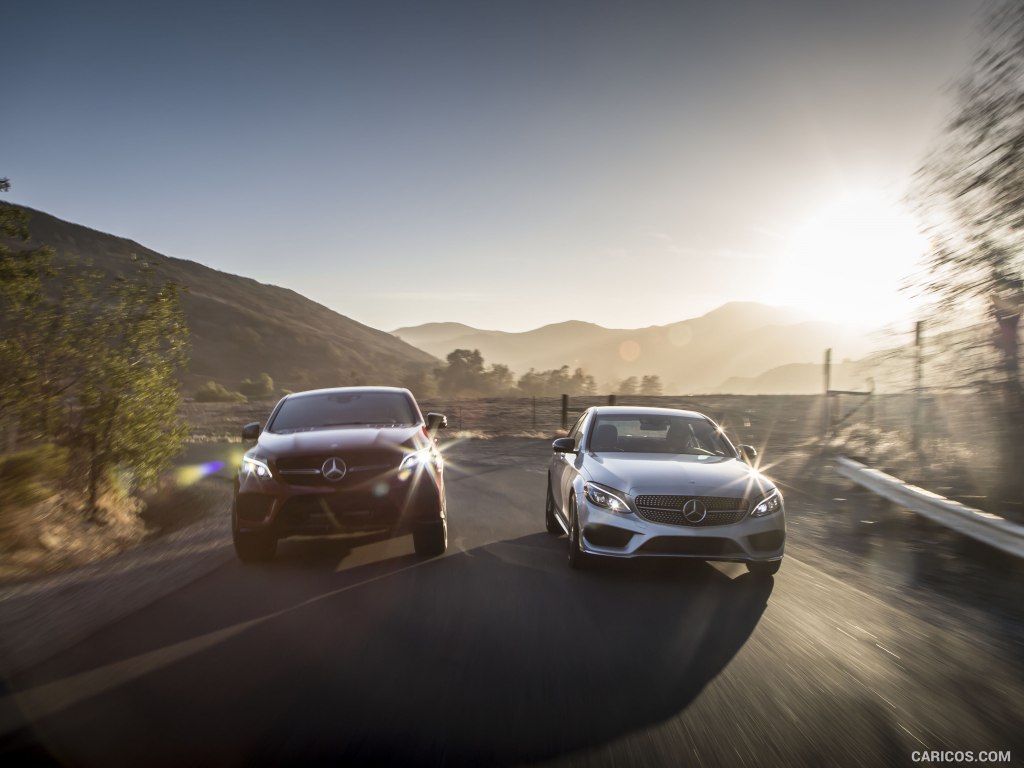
{"points": [[988, 528]]}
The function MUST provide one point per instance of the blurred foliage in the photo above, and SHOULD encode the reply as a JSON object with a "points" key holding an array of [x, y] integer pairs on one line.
{"points": [[31, 474], [212, 392], [91, 363], [970, 191], [970, 194]]}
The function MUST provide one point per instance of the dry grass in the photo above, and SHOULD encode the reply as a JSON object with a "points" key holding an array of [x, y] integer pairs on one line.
{"points": [[57, 533]]}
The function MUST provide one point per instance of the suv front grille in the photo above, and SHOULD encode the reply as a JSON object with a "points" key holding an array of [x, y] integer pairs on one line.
{"points": [[668, 510], [359, 466]]}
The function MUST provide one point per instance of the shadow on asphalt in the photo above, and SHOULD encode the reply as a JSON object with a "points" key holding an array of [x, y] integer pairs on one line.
{"points": [[496, 655]]}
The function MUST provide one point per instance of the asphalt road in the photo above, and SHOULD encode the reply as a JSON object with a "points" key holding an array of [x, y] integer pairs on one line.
{"points": [[356, 652]]}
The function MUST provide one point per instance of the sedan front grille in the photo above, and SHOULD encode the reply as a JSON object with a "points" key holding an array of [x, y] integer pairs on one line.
{"points": [[668, 510]]}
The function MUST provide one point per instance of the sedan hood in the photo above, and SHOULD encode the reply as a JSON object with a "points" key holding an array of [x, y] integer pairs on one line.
{"points": [[341, 439], [682, 475]]}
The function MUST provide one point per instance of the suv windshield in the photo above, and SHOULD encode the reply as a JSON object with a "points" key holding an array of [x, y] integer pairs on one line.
{"points": [[343, 409], [642, 433]]}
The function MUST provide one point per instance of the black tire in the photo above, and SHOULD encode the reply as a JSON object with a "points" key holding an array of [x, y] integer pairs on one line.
{"points": [[578, 559], [764, 569], [550, 521], [430, 540], [254, 546]]}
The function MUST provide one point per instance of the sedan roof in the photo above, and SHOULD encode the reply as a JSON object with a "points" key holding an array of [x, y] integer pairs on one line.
{"points": [[625, 410]]}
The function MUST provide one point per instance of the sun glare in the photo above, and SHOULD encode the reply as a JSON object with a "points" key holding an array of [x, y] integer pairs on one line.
{"points": [[846, 263]]}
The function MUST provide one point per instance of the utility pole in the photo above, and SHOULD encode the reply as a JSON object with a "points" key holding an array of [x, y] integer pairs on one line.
{"points": [[827, 411], [915, 436]]}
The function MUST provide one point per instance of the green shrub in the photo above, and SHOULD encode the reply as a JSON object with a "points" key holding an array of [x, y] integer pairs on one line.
{"points": [[212, 392], [262, 387]]}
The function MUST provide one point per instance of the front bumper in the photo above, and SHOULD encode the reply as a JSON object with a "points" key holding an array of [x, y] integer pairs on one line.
{"points": [[752, 539], [385, 503]]}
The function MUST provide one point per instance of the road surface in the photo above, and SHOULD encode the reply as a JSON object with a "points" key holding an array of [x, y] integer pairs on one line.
{"points": [[356, 652]]}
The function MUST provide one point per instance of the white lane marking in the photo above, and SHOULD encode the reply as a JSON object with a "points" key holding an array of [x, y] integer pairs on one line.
{"points": [[846, 633], [861, 629], [912, 735], [886, 650], [51, 698]]}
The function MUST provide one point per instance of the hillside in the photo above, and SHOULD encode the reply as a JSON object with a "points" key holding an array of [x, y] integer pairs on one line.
{"points": [[737, 340], [240, 327]]}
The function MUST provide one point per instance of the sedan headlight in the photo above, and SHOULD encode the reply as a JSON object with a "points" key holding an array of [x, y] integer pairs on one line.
{"points": [[257, 465], [605, 498], [768, 505]]}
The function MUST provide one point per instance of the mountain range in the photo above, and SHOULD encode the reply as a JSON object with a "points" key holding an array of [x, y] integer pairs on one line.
{"points": [[732, 346], [241, 328]]}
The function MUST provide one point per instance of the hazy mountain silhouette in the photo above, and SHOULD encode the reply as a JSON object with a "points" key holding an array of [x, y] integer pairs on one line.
{"points": [[739, 340], [240, 327]]}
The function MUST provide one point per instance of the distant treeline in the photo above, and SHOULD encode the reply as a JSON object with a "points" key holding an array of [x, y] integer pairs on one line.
{"points": [[466, 376]]}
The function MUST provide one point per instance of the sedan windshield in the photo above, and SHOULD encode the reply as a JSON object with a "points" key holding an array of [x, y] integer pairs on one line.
{"points": [[343, 409], [642, 433]]}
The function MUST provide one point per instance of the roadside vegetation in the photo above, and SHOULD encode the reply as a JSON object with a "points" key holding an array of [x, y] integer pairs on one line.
{"points": [[466, 376], [970, 195], [89, 400]]}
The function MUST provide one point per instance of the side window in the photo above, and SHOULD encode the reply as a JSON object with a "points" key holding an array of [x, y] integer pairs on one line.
{"points": [[577, 428]]}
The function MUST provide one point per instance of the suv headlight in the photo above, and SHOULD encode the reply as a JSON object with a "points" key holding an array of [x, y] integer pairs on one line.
{"points": [[606, 498], [768, 505], [257, 465], [416, 461]]}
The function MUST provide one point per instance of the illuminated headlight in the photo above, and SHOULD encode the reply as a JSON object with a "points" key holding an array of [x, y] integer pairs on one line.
{"points": [[769, 504], [416, 461], [256, 465], [605, 498]]}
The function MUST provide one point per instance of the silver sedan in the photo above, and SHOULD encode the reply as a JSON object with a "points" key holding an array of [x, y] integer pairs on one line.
{"points": [[632, 482]]}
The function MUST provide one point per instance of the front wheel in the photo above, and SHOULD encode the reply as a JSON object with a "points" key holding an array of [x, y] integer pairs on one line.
{"points": [[764, 569], [578, 559], [430, 540], [550, 521]]}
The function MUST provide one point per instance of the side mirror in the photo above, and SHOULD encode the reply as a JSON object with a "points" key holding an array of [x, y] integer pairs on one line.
{"points": [[436, 421], [564, 445], [251, 431], [749, 453]]}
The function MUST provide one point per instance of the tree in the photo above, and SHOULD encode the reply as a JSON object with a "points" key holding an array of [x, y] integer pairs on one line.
{"points": [[24, 319], [497, 379], [970, 194], [130, 344], [582, 383], [650, 385], [464, 372], [627, 386], [89, 363]]}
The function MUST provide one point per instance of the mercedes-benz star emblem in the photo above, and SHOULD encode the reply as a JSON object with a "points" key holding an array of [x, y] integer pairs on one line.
{"points": [[334, 469], [694, 511]]}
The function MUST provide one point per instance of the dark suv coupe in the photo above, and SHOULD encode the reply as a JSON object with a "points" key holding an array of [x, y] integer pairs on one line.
{"points": [[346, 460]]}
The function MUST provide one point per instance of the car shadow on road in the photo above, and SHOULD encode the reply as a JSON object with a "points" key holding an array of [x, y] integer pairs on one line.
{"points": [[495, 655]]}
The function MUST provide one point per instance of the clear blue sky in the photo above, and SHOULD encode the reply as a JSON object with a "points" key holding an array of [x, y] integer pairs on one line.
{"points": [[502, 164]]}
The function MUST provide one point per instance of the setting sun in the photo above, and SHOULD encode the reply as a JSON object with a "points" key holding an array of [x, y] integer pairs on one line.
{"points": [[847, 261]]}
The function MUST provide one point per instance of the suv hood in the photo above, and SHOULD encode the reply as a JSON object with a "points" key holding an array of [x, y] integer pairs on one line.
{"points": [[340, 439]]}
